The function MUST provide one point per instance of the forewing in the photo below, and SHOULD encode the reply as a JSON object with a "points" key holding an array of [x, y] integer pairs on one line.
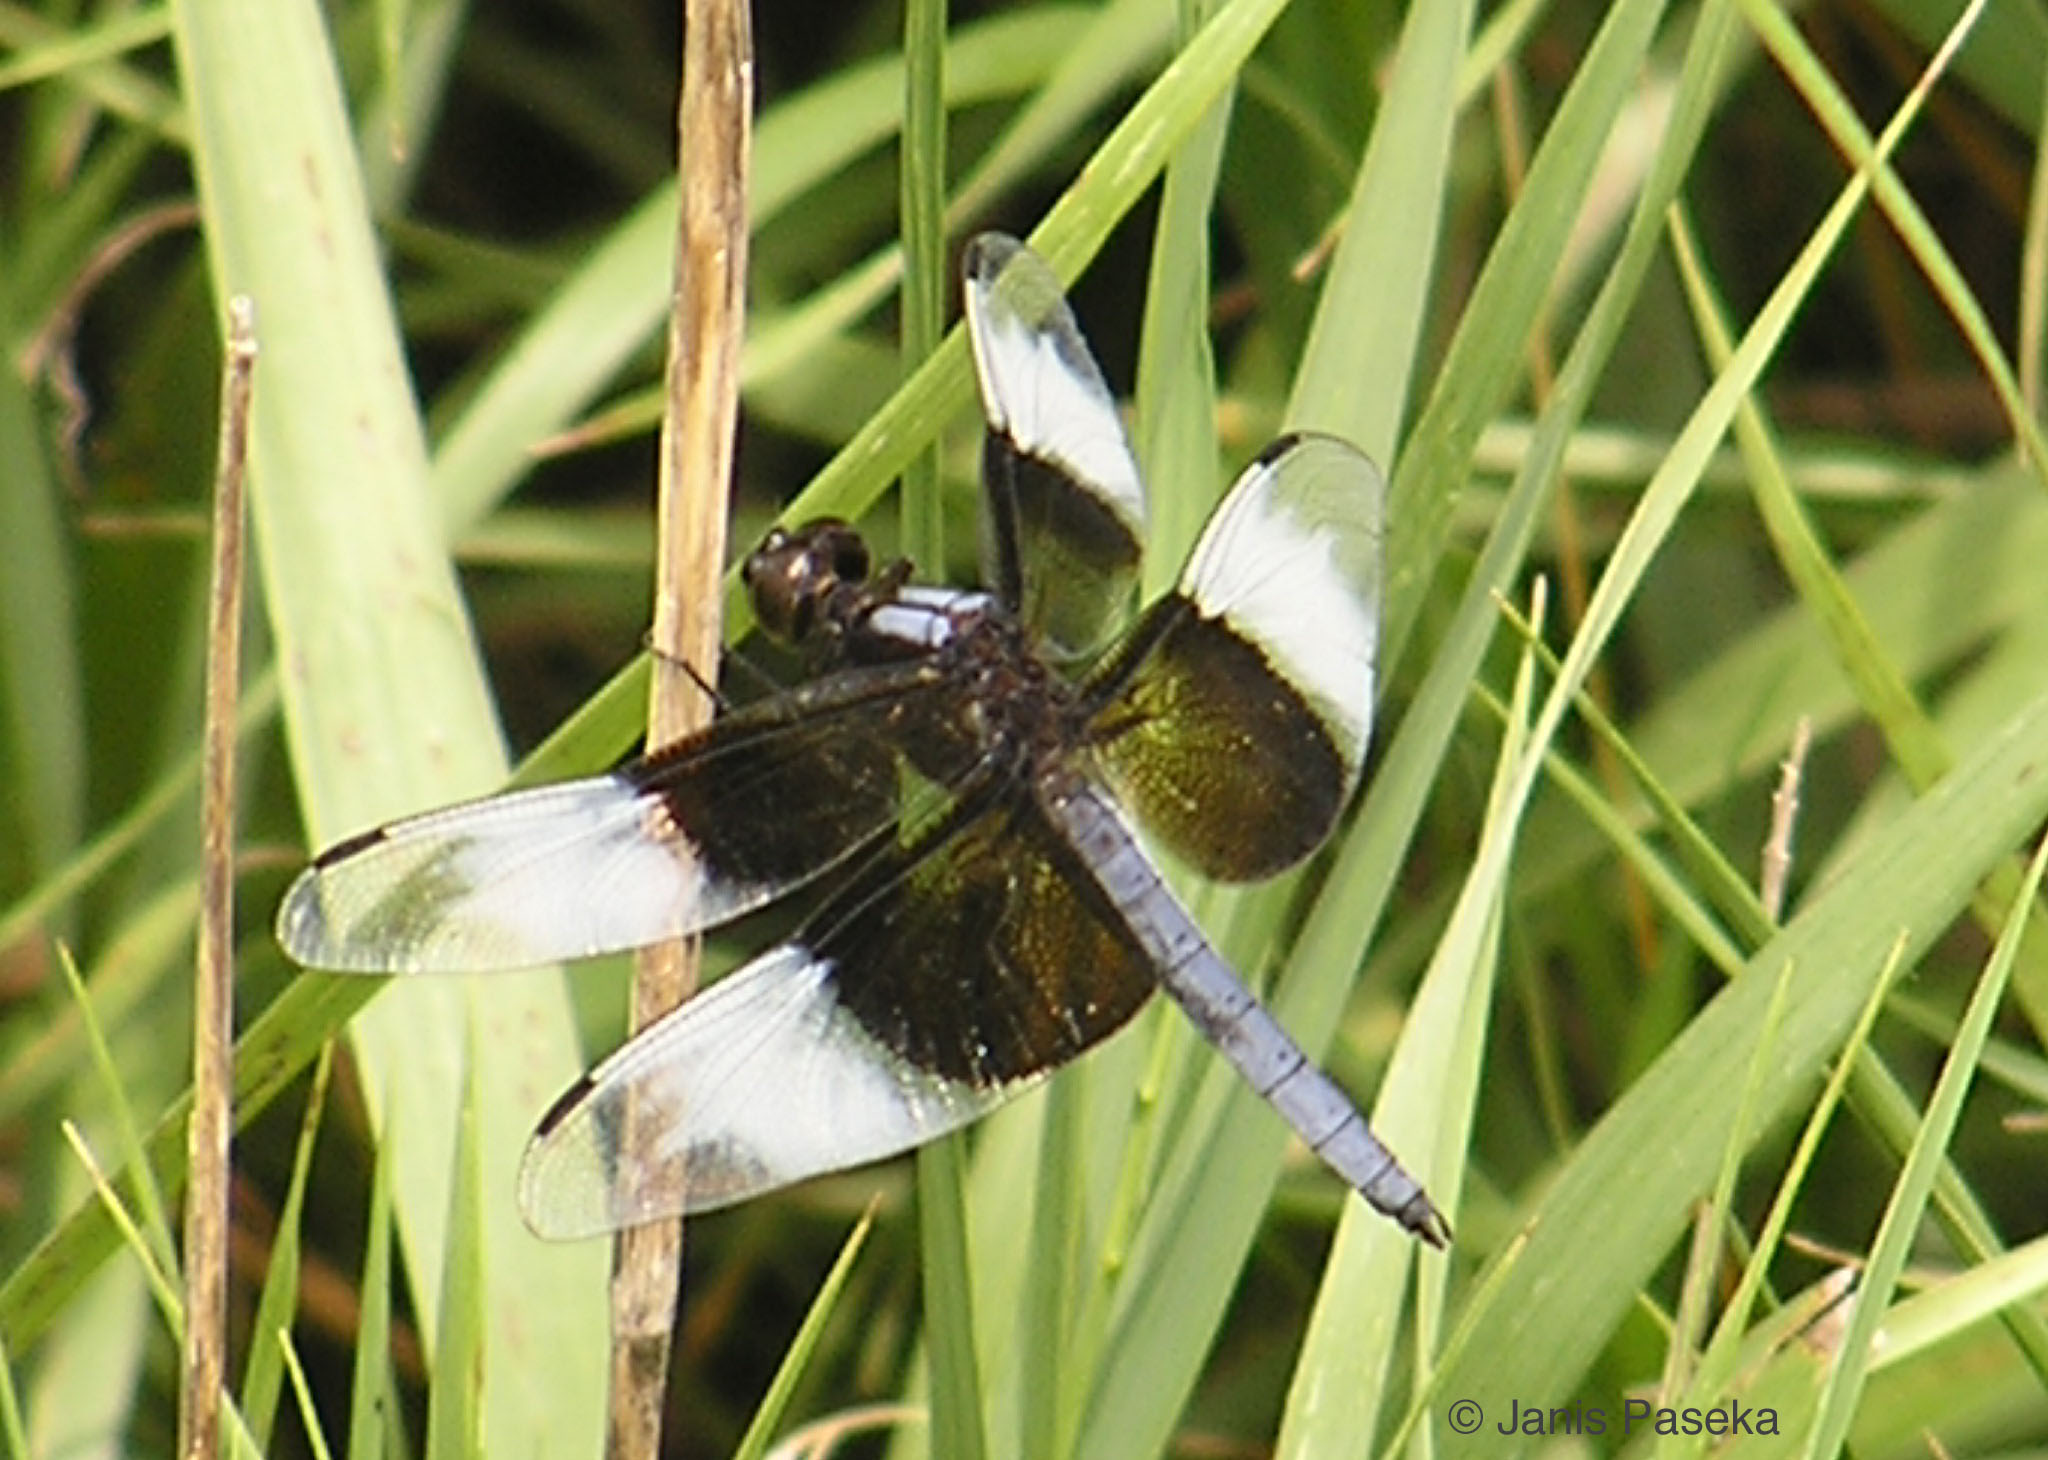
{"points": [[759, 803], [1065, 511], [939, 982], [1234, 718]]}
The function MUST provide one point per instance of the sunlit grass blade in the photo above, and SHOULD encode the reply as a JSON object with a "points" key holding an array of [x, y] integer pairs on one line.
{"points": [[1976, 1295], [153, 1221], [373, 1408], [263, 1375], [775, 1403], [279, 1043], [1838, 115], [163, 1282], [302, 1392], [1902, 1217], [1425, 1109], [160, 1278], [41, 696], [1608, 1216], [1717, 1371], [1358, 366], [387, 709], [11, 1428], [1161, 1302], [614, 303], [455, 1405]]}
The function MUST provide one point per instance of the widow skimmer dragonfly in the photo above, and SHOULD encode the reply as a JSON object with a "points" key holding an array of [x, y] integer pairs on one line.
{"points": [[987, 912]]}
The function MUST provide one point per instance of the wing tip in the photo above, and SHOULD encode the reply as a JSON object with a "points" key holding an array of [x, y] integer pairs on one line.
{"points": [[301, 928], [541, 1182], [987, 252]]}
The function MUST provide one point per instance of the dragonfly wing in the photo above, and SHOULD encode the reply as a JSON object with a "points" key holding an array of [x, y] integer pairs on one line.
{"points": [[761, 802], [1233, 719], [1065, 510], [939, 981]]}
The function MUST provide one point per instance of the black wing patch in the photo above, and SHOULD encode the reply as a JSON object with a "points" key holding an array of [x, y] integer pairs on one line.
{"points": [[1233, 721], [758, 803], [1065, 509], [946, 976], [987, 960]]}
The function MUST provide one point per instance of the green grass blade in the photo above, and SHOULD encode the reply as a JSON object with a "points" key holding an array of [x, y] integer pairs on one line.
{"points": [[1896, 201], [1976, 1295], [1122, 168], [386, 706], [302, 1392], [955, 1385], [42, 712], [921, 201], [775, 1403], [1425, 1110], [74, 50], [1358, 368], [1609, 1215], [263, 1377], [1175, 399], [1718, 1367], [1485, 356], [948, 1286], [456, 1421], [373, 1408], [152, 1220], [1092, 1155], [1895, 1234], [1732, 716], [1192, 1244], [124, 833], [615, 302], [125, 91], [11, 1427], [163, 1281]]}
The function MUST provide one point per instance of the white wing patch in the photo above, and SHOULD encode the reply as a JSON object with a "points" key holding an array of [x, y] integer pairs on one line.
{"points": [[1291, 561], [538, 876], [760, 1081], [1040, 386]]}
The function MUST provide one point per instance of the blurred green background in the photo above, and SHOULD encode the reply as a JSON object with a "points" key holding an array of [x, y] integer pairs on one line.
{"points": [[1507, 248]]}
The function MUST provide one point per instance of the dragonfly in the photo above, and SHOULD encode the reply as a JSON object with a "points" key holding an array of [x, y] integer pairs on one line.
{"points": [[959, 783]]}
